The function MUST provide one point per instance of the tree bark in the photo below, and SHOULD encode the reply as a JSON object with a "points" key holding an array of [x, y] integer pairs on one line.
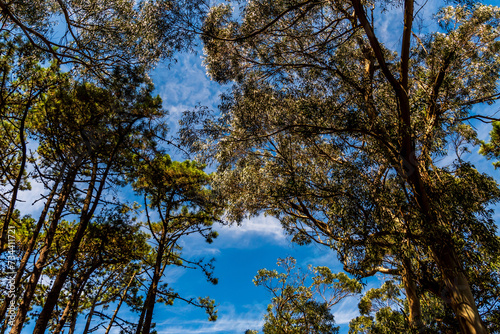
{"points": [[457, 292], [92, 309], [75, 296], [65, 314], [17, 184], [144, 325], [460, 296], [415, 311]]}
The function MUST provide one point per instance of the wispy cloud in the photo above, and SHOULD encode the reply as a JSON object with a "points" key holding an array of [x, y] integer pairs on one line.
{"points": [[229, 321], [345, 311], [183, 85]]}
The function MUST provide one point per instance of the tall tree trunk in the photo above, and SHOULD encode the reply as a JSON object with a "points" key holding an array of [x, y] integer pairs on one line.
{"points": [[44, 253], [74, 316], [458, 292], [74, 297], [122, 298], [65, 313], [92, 309], [146, 317], [5, 323], [90, 315]]}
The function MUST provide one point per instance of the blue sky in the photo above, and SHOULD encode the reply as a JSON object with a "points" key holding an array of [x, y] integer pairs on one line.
{"points": [[241, 250]]}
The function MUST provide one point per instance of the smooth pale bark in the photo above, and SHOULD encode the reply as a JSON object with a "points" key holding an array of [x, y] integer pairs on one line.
{"points": [[44, 253], [415, 310], [457, 291], [461, 299]]}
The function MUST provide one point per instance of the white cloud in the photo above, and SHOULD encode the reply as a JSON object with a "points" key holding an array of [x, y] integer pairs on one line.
{"points": [[346, 310], [172, 274], [183, 85], [29, 202], [240, 236]]}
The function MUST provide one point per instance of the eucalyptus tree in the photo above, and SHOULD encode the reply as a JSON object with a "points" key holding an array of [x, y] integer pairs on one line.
{"points": [[382, 311], [337, 135], [302, 299], [177, 193], [491, 149], [385, 309]]}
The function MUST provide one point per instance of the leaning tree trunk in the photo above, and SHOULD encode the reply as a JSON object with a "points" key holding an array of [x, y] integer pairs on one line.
{"points": [[146, 318], [415, 311], [92, 308], [122, 298], [74, 297], [457, 291], [17, 183]]}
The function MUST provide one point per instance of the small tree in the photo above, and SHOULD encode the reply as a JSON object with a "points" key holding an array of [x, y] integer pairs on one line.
{"points": [[179, 195], [302, 300]]}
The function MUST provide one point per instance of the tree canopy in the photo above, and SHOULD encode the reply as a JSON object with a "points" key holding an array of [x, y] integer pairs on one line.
{"points": [[339, 135]]}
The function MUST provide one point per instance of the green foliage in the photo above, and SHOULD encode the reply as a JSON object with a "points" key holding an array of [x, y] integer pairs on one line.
{"points": [[492, 149], [99, 36], [302, 300], [178, 194], [386, 304]]}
